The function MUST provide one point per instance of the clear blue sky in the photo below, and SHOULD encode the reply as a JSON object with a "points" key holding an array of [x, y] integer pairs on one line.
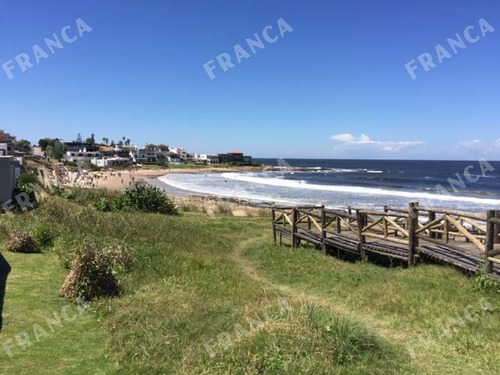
{"points": [[313, 93]]}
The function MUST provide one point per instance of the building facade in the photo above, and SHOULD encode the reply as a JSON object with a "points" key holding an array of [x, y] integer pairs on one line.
{"points": [[9, 170]]}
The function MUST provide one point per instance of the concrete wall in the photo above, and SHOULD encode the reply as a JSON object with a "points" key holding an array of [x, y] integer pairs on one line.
{"points": [[7, 178]]}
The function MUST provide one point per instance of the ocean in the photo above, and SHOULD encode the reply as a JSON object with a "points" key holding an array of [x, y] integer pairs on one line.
{"points": [[462, 185]]}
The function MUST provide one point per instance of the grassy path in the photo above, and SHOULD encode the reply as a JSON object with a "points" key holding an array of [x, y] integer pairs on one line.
{"points": [[302, 296], [411, 308]]}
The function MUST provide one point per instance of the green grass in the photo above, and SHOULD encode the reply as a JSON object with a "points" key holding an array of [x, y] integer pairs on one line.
{"points": [[413, 307], [74, 346], [207, 295]]}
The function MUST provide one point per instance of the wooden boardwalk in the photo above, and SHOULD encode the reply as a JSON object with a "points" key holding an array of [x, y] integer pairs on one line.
{"points": [[468, 241]]}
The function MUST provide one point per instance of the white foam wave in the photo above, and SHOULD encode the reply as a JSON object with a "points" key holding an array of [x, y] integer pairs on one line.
{"points": [[357, 189], [204, 189]]}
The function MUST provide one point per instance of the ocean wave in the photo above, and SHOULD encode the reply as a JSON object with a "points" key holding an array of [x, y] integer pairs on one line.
{"points": [[357, 189], [214, 191]]}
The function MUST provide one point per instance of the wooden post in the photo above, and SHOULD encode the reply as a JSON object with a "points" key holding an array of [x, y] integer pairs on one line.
{"points": [[362, 239], [294, 228], [446, 229], [412, 232], [323, 229], [432, 217], [490, 241], [497, 228], [274, 226], [384, 220], [339, 224]]}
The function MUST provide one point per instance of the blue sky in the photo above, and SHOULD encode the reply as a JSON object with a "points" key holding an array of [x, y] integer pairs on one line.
{"points": [[334, 87]]}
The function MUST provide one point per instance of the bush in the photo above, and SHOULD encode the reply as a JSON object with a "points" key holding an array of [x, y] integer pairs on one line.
{"points": [[148, 198], [27, 181], [92, 275], [22, 243]]}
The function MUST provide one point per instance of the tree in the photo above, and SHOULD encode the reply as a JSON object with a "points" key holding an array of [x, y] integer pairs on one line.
{"points": [[23, 146], [91, 140], [57, 150], [79, 138], [105, 140], [44, 142], [127, 142]]}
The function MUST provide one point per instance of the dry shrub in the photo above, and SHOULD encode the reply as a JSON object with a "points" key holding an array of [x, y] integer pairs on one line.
{"points": [[94, 269], [22, 243]]}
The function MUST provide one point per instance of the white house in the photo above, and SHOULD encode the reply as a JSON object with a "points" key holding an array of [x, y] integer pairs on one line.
{"points": [[82, 155], [144, 156], [205, 159], [110, 162]]}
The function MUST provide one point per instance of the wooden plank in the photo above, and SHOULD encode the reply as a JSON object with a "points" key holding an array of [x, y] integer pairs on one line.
{"points": [[354, 229], [494, 260], [466, 233], [379, 213], [430, 225], [474, 224], [470, 215], [390, 239], [397, 227], [371, 225]]}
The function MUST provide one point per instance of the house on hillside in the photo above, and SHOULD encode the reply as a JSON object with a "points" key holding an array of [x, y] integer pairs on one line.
{"points": [[80, 146], [81, 155], [205, 159], [8, 141], [144, 156]]}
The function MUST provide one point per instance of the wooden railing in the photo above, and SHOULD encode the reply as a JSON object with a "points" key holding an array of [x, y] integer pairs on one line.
{"points": [[457, 230], [337, 223]]}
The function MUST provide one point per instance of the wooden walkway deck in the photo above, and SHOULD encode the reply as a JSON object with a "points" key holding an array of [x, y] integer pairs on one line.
{"points": [[468, 241]]}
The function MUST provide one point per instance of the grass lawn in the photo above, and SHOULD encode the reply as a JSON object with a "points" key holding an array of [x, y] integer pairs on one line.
{"points": [[210, 295], [69, 342]]}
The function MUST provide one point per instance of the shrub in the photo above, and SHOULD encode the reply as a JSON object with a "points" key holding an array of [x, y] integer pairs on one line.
{"points": [[27, 182], [91, 275], [22, 243], [94, 265], [148, 198]]}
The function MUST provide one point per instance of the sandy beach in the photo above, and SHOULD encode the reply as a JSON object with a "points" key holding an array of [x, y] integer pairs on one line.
{"points": [[121, 179]]}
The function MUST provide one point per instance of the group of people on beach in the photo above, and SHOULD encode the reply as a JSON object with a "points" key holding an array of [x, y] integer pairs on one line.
{"points": [[84, 178]]}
